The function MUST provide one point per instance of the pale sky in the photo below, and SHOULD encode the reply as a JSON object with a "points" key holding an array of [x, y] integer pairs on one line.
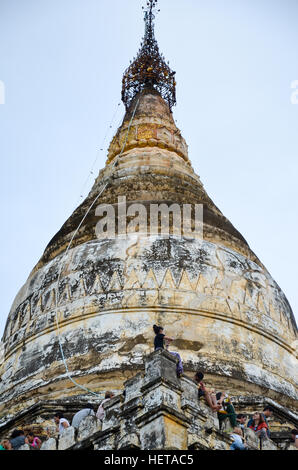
{"points": [[62, 61]]}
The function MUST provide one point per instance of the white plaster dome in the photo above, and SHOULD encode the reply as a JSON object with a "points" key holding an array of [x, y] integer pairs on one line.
{"points": [[229, 317]]}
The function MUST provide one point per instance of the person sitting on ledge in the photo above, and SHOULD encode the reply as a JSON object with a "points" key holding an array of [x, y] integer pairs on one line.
{"points": [[5, 445], [202, 392], [258, 425], [159, 344], [267, 413], [34, 441], [18, 439], [237, 437]]}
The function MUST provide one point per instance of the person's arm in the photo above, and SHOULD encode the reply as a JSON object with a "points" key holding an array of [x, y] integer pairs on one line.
{"points": [[220, 401], [296, 442], [202, 386]]}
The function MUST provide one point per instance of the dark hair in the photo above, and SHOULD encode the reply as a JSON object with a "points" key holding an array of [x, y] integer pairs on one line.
{"points": [[157, 329], [59, 415], [294, 431], [31, 434], [262, 417], [268, 408], [241, 415], [16, 433], [218, 395], [199, 376], [108, 394]]}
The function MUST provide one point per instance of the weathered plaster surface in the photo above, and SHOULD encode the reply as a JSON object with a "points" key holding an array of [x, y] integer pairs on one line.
{"points": [[227, 314], [110, 298], [177, 420]]}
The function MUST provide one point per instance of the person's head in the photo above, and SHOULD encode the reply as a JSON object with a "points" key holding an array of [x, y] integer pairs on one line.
{"points": [[109, 395], [6, 444], [30, 436], [157, 329], [268, 411], [294, 433], [237, 431], [199, 376], [58, 416], [218, 396], [241, 418], [258, 418], [17, 433]]}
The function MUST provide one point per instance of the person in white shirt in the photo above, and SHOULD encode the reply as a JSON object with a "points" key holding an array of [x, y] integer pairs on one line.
{"points": [[80, 415], [101, 412], [61, 423], [237, 440]]}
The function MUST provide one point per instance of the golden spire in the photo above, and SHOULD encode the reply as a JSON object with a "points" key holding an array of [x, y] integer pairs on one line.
{"points": [[149, 69]]}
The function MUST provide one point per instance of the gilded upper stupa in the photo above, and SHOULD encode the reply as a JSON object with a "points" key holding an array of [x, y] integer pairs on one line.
{"points": [[228, 315]]}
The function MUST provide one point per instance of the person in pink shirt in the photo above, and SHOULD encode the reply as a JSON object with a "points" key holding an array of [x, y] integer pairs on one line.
{"points": [[34, 441]]}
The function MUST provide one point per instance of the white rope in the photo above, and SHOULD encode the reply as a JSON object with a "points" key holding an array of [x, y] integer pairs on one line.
{"points": [[99, 151], [67, 250]]}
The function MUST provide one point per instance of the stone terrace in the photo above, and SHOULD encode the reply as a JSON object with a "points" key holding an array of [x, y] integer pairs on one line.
{"points": [[156, 411]]}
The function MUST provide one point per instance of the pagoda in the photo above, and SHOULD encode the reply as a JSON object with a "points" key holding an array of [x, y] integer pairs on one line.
{"points": [[82, 323]]}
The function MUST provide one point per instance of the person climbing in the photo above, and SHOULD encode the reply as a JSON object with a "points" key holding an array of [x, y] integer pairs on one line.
{"points": [[259, 425], [61, 423], [100, 414], [203, 392], [82, 414], [226, 410], [159, 340]]}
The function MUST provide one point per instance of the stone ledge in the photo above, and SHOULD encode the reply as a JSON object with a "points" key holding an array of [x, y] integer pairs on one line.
{"points": [[168, 416], [163, 411]]}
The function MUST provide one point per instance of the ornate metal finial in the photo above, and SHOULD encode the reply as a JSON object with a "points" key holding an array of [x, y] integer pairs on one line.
{"points": [[149, 69]]}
